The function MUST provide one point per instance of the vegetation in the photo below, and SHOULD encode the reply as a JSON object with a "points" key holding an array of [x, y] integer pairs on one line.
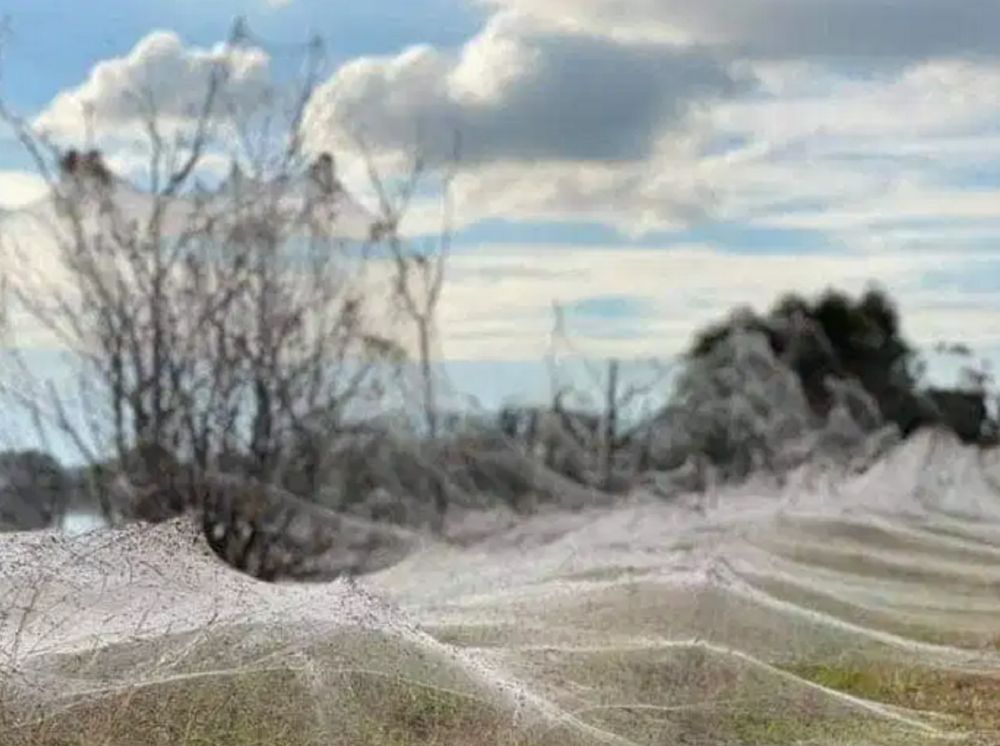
{"points": [[224, 323], [349, 688], [828, 379], [245, 325], [35, 491], [838, 337], [261, 709], [969, 698]]}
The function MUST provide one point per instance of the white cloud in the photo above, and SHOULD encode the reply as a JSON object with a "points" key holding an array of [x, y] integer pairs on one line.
{"points": [[20, 188], [497, 303], [898, 206], [636, 198], [929, 98], [809, 149], [562, 122], [159, 75], [862, 160]]}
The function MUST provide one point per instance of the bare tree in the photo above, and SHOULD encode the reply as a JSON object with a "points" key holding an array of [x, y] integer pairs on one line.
{"points": [[419, 272], [417, 281], [609, 426], [213, 323], [125, 298], [617, 431]]}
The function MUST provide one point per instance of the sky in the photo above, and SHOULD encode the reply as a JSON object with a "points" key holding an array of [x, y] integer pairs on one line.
{"points": [[648, 165]]}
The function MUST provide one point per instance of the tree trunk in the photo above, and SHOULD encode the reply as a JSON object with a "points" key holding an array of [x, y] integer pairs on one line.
{"points": [[610, 425], [427, 376]]}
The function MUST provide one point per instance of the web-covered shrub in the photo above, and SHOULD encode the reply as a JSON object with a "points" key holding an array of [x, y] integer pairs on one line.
{"points": [[738, 406], [855, 433], [739, 409]]}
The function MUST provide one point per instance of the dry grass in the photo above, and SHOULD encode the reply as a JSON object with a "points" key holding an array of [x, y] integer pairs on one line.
{"points": [[354, 687], [265, 709], [250, 709]]}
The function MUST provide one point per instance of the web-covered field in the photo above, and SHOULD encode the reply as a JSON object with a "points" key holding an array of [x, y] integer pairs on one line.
{"points": [[861, 610]]}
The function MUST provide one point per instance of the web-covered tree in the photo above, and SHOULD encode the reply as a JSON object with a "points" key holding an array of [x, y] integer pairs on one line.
{"points": [[209, 321], [836, 336]]}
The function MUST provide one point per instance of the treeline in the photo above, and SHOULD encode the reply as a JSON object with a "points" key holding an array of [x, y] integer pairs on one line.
{"points": [[829, 378]]}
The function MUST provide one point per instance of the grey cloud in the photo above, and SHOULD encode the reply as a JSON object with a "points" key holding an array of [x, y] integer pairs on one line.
{"points": [[903, 29], [869, 29], [593, 100], [574, 98]]}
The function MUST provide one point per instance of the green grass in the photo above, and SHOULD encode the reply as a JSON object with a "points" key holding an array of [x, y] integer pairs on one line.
{"points": [[884, 620], [247, 686], [972, 700], [475, 636], [694, 695], [604, 574]]}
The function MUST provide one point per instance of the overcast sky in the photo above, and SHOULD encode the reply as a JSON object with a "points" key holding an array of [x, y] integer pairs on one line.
{"points": [[647, 163]]}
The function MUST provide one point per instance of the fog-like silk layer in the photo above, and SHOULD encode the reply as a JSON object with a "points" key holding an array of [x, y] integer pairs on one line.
{"points": [[857, 609]]}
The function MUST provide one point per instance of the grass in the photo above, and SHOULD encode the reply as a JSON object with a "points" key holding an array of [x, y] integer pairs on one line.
{"points": [[390, 712], [604, 574], [859, 535], [252, 709], [653, 703], [879, 619], [267, 709], [360, 687], [475, 635], [694, 695], [350, 688], [304, 686], [971, 699]]}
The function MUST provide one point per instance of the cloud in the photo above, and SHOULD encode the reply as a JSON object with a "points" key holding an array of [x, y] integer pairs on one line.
{"points": [[518, 95], [493, 308], [569, 119], [159, 75], [867, 160], [933, 98], [553, 125], [788, 29], [562, 121], [809, 148], [20, 188], [636, 197]]}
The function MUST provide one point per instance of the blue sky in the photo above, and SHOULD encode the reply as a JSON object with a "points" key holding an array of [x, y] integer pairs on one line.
{"points": [[52, 44], [647, 164]]}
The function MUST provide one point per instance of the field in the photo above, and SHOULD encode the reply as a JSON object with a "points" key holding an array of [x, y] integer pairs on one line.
{"points": [[860, 610]]}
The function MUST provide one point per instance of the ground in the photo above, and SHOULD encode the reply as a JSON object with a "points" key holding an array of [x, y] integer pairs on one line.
{"points": [[833, 611]]}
